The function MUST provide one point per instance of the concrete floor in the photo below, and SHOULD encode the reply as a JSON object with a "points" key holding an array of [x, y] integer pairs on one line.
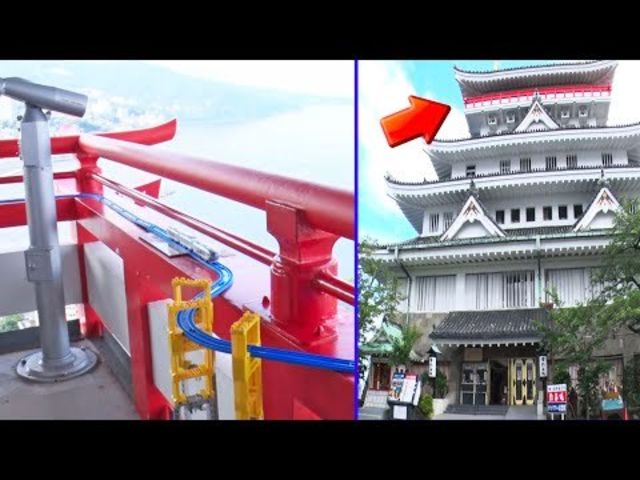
{"points": [[372, 413], [514, 413], [93, 396]]}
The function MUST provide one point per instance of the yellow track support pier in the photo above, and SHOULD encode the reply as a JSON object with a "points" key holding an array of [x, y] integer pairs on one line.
{"points": [[182, 368], [247, 371]]}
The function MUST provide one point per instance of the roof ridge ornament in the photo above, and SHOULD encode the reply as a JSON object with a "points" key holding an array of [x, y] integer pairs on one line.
{"points": [[603, 202], [473, 189], [537, 118], [603, 181], [472, 211]]}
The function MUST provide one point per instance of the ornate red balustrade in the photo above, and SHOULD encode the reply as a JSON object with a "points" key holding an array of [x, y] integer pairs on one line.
{"points": [[295, 290]]}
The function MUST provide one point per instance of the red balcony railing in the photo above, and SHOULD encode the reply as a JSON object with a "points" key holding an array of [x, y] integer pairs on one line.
{"points": [[514, 94], [305, 218]]}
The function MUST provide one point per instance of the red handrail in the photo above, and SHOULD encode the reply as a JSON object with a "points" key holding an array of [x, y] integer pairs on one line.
{"points": [[325, 281], [326, 208], [542, 91], [69, 144], [257, 252]]}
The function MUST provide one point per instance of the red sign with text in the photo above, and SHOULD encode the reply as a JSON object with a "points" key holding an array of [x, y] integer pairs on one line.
{"points": [[556, 394]]}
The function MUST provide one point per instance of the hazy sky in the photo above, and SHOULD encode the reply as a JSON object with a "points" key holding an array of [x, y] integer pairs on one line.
{"points": [[323, 78]]}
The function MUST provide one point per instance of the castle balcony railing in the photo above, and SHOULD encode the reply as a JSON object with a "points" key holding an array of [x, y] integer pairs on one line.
{"points": [[545, 94], [623, 179]]}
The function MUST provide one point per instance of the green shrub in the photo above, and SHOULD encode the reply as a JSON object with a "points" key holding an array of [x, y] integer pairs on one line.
{"points": [[425, 405], [561, 375], [442, 387]]}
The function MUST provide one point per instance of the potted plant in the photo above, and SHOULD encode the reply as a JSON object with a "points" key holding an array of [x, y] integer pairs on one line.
{"points": [[439, 396]]}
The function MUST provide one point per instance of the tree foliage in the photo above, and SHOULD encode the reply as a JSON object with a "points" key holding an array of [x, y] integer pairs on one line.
{"points": [[377, 289], [620, 274], [9, 323], [574, 335], [401, 347]]}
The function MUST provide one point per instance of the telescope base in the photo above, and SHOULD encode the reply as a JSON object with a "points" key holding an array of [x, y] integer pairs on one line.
{"points": [[32, 368]]}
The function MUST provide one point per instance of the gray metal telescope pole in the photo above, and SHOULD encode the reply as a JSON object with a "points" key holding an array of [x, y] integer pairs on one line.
{"points": [[57, 360]]}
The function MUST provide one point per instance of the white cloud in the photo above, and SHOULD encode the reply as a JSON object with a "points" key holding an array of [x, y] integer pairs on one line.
{"points": [[63, 72], [625, 100], [383, 89], [314, 77]]}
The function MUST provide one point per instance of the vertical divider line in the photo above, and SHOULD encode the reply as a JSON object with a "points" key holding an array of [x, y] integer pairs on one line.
{"points": [[356, 351]]}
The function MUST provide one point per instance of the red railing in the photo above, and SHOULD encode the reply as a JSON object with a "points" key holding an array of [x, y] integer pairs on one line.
{"points": [[305, 218], [510, 94]]}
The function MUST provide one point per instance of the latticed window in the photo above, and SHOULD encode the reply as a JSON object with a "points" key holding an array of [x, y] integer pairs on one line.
{"points": [[551, 162], [505, 166], [573, 285], [572, 161], [435, 293], [402, 287], [434, 222], [471, 170], [607, 159], [525, 164], [447, 219], [486, 291]]}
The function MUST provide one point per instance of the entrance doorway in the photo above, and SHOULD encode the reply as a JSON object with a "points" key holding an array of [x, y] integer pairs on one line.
{"points": [[522, 381], [381, 376], [499, 389], [473, 388]]}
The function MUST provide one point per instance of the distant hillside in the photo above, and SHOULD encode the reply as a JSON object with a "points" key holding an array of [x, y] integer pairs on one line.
{"points": [[130, 94]]}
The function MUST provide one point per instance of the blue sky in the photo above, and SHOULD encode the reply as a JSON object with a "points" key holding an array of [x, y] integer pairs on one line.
{"points": [[384, 87]]}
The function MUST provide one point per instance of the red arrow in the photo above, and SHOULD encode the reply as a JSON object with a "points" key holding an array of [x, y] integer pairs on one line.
{"points": [[422, 119]]}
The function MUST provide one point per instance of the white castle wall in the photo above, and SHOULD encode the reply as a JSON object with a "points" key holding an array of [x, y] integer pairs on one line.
{"points": [[585, 158], [460, 271]]}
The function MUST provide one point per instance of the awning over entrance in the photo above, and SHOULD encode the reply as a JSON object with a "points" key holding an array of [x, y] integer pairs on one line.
{"points": [[490, 328]]}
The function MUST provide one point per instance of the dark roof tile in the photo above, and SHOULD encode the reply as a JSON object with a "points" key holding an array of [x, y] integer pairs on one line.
{"points": [[491, 324]]}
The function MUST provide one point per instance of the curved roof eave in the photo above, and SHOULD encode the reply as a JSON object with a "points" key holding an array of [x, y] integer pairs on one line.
{"points": [[440, 149], [480, 82]]}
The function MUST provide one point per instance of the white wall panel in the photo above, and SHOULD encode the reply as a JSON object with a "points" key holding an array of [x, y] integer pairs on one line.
{"points": [[107, 295]]}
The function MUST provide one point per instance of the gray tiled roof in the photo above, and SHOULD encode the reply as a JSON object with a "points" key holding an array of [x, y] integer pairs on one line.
{"points": [[491, 324], [511, 234]]}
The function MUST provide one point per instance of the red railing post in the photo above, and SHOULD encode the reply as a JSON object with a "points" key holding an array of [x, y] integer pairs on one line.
{"points": [[84, 174], [296, 305]]}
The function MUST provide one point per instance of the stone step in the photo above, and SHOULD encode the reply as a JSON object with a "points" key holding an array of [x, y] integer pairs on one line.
{"points": [[477, 409]]}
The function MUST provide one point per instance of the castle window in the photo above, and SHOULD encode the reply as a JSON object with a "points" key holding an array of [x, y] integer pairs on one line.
{"points": [[492, 120], [500, 290], [551, 162], [435, 294], [531, 214], [525, 164], [515, 215], [577, 210], [572, 161], [448, 219], [607, 159], [500, 217], [471, 170], [511, 117], [434, 222], [562, 212], [505, 166], [564, 113], [582, 112], [547, 213]]}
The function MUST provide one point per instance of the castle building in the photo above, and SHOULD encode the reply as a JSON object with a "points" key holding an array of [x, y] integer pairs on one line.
{"points": [[524, 204]]}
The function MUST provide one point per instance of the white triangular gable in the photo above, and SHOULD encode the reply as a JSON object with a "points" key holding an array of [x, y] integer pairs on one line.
{"points": [[537, 119], [472, 222], [600, 213]]}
